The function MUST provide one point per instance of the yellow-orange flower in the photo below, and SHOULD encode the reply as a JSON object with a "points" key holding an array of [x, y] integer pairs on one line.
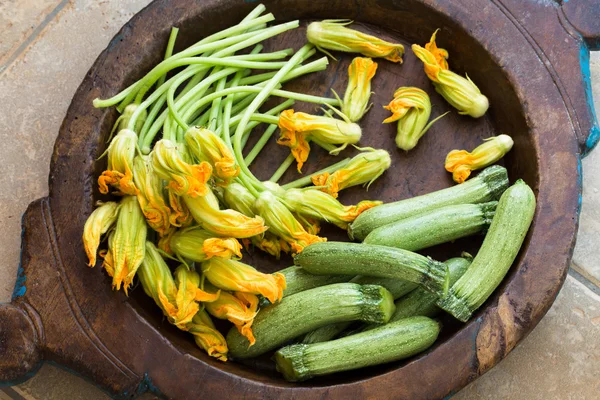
{"points": [[184, 178], [362, 169], [411, 107], [297, 128], [282, 222], [97, 224], [461, 162], [199, 245], [239, 277], [358, 92], [205, 145], [225, 223], [207, 337], [317, 204], [333, 35], [238, 308], [180, 214], [151, 195], [460, 92], [118, 173], [127, 244]]}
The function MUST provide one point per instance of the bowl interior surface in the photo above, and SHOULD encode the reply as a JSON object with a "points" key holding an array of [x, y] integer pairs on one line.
{"points": [[412, 173]]}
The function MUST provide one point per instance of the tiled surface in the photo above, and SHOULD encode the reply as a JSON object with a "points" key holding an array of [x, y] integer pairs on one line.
{"points": [[50, 44]]}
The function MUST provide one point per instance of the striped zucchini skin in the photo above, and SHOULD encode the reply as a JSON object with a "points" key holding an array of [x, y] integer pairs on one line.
{"points": [[497, 253], [387, 343], [373, 260], [303, 312], [397, 288], [487, 186], [441, 225], [298, 280]]}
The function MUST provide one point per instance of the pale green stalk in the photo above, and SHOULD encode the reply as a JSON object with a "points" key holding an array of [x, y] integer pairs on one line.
{"points": [[287, 163]]}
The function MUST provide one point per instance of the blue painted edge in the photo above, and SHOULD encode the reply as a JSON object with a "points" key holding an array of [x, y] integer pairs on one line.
{"points": [[20, 287], [584, 61]]}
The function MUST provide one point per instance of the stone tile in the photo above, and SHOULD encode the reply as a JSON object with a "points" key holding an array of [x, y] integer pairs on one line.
{"points": [[559, 360], [35, 92], [587, 252], [19, 19]]}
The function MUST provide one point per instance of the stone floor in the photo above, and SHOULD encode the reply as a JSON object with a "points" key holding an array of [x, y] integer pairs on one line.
{"points": [[46, 47]]}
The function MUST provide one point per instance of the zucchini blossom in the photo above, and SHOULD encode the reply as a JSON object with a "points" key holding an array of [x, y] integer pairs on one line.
{"points": [[126, 244], [358, 92], [411, 107], [332, 34], [199, 245], [205, 145], [461, 162], [238, 308], [97, 224], [207, 337], [239, 277], [184, 178], [297, 128], [320, 205], [282, 222], [362, 169], [151, 195], [118, 173], [180, 214], [237, 197], [460, 92], [225, 223]]}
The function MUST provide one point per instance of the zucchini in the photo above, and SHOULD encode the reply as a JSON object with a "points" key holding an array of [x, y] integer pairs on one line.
{"points": [[487, 186], [390, 342], [372, 260], [303, 312], [497, 253], [441, 225], [298, 280], [397, 288]]}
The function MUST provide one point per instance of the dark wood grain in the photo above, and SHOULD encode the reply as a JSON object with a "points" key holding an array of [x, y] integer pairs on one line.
{"points": [[524, 57]]}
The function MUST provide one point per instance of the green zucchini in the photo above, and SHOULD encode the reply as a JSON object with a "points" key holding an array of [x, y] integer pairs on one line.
{"points": [[303, 312], [390, 342], [298, 280], [497, 253], [441, 225], [373, 260], [487, 186], [397, 288]]}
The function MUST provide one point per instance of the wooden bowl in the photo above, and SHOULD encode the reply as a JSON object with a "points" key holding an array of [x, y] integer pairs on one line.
{"points": [[529, 58]]}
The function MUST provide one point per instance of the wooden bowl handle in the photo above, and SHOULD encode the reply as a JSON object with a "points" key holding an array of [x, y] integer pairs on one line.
{"points": [[20, 354]]}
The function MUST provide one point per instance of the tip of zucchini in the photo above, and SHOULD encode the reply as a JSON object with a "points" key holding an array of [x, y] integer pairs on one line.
{"points": [[379, 304], [496, 178], [455, 306], [289, 362]]}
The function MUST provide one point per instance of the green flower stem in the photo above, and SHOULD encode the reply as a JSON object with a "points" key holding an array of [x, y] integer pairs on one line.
{"points": [[233, 44], [326, 146], [313, 66], [169, 51], [282, 168], [307, 180], [202, 46], [264, 139], [255, 105]]}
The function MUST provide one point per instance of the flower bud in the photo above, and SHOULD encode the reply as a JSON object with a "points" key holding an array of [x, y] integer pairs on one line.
{"points": [[225, 223], [207, 337], [205, 145], [127, 244], [297, 128], [461, 162], [317, 204], [151, 195], [333, 35], [362, 169], [238, 198], [460, 92], [97, 224], [282, 222], [118, 173], [199, 245], [358, 92], [239, 277], [184, 178]]}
